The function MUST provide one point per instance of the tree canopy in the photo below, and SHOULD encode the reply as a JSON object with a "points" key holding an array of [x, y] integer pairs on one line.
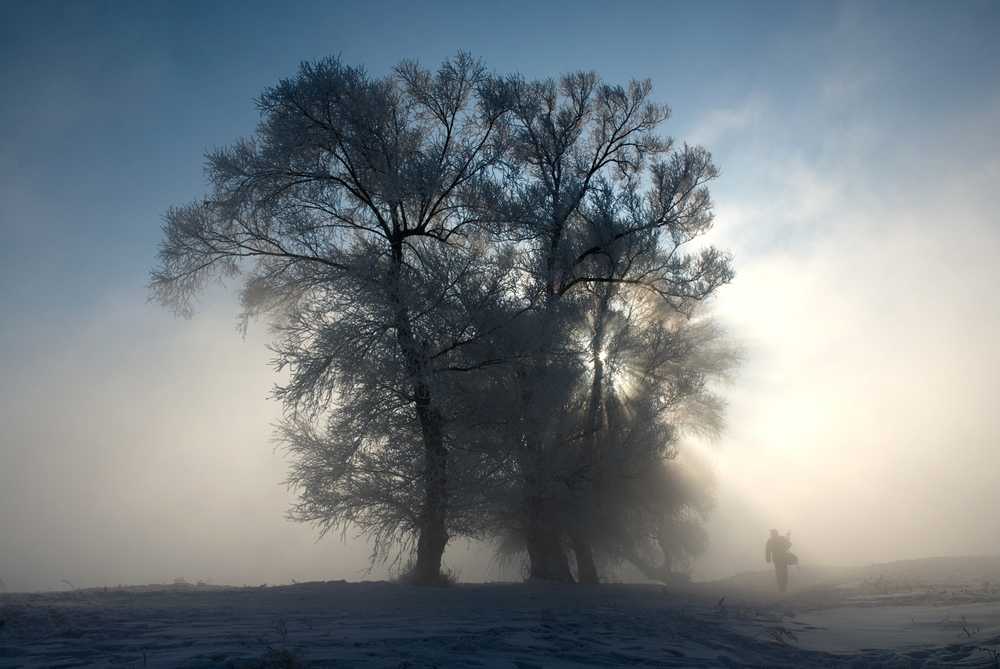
{"points": [[482, 292]]}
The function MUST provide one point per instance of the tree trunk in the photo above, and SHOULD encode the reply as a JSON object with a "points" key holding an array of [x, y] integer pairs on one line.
{"points": [[586, 570], [433, 517], [548, 560], [433, 531], [545, 553], [585, 567], [653, 573]]}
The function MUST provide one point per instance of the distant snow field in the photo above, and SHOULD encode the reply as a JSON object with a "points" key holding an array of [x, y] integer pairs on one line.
{"points": [[942, 612]]}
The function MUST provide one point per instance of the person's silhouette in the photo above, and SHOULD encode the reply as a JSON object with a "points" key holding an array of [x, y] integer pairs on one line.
{"points": [[776, 551]]}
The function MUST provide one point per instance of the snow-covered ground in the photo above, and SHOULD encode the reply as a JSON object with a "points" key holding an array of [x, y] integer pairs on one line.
{"points": [[921, 613]]}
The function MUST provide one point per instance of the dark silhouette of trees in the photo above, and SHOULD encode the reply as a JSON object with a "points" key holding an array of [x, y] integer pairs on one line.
{"points": [[603, 207], [347, 218], [481, 291]]}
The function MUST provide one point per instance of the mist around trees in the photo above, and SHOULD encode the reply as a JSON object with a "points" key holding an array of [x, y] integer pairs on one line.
{"points": [[486, 296]]}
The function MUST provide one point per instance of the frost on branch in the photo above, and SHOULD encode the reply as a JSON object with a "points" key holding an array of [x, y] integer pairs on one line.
{"points": [[480, 289]]}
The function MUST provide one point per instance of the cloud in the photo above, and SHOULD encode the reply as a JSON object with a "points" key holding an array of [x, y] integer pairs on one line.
{"points": [[866, 298], [720, 124]]}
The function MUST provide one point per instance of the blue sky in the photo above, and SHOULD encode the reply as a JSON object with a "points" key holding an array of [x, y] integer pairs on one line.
{"points": [[860, 151]]}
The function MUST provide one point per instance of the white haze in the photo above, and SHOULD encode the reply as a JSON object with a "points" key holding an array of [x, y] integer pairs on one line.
{"points": [[858, 194], [865, 419]]}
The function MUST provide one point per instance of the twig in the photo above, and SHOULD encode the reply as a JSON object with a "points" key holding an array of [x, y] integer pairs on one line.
{"points": [[778, 633]]}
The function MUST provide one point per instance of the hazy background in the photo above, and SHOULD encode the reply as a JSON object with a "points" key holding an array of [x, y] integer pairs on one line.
{"points": [[860, 153]]}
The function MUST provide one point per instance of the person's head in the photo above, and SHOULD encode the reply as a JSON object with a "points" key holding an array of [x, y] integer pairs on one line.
{"points": [[774, 533]]}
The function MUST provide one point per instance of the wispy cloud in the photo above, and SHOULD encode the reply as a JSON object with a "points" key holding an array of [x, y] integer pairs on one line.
{"points": [[865, 295]]}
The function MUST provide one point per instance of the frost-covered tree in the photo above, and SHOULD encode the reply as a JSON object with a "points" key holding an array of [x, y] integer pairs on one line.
{"points": [[604, 209], [350, 219], [654, 383], [480, 290]]}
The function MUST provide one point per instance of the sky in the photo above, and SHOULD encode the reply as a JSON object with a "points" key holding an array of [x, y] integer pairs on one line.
{"points": [[859, 145]]}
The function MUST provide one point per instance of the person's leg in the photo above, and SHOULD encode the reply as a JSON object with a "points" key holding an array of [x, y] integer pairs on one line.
{"points": [[782, 570]]}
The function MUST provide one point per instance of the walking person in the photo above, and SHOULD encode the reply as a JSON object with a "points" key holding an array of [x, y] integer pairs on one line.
{"points": [[777, 551]]}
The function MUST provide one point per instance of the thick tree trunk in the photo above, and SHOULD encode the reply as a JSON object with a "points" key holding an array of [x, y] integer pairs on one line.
{"points": [[433, 530], [585, 567], [586, 570], [650, 571], [433, 517], [548, 560]]}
